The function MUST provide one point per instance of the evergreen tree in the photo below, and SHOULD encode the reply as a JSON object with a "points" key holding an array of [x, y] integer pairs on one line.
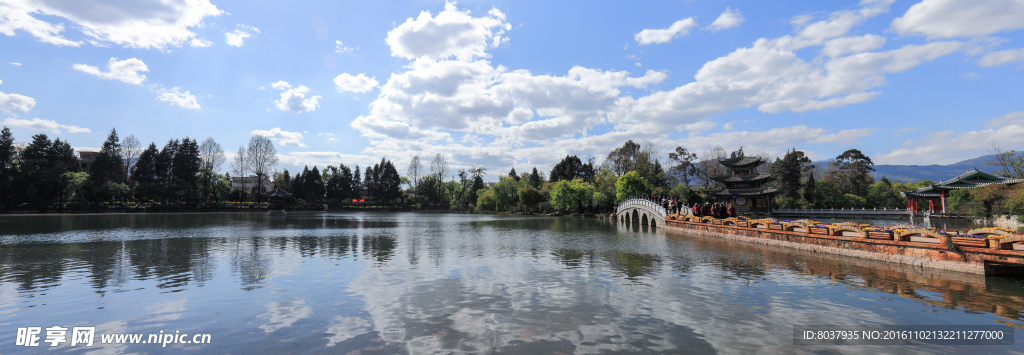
{"points": [[369, 186], [106, 170], [185, 169], [685, 168], [43, 165], [571, 167], [339, 187], [330, 177], [8, 155], [165, 170], [357, 183], [788, 172], [513, 175], [314, 186], [390, 182], [299, 185], [144, 173], [658, 177], [534, 179], [478, 184], [63, 159], [809, 188], [855, 172]]}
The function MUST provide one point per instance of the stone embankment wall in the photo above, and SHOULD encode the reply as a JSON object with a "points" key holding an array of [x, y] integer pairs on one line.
{"points": [[968, 260], [1011, 222]]}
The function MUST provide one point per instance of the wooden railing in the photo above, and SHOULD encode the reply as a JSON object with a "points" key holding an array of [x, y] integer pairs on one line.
{"points": [[894, 212]]}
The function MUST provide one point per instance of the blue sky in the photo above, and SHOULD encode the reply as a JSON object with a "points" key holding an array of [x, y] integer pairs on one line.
{"points": [[521, 84]]}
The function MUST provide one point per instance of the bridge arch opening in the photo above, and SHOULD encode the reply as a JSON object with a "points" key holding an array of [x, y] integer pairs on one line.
{"points": [[636, 216], [643, 220]]}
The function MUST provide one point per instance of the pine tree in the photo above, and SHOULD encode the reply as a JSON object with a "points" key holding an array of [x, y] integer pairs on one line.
{"points": [[809, 188], [315, 186], [144, 173], [185, 168], [357, 183], [535, 179], [107, 170], [8, 154]]}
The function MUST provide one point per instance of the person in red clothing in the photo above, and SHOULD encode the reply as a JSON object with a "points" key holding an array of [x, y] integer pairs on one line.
{"points": [[730, 210]]}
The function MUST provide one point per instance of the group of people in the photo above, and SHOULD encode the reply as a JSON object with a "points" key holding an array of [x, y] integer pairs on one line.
{"points": [[675, 206], [717, 210]]}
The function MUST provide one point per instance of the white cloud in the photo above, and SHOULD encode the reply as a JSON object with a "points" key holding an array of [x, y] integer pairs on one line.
{"points": [[200, 43], [235, 38], [904, 130], [43, 125], [702, 126], [174, 96], [17, 102], [657, 36], [1002, 57], [285, 138], [479, 113], [952, 18], [357, 83], [124, 70], [728, 19], [774, 80], [294, 99], [322, 159], [945, 147], [845, 137], [14, 64], [330, 136], [341, 48], [134, 24], [452, 33], [852, 45], [1012, 118]]}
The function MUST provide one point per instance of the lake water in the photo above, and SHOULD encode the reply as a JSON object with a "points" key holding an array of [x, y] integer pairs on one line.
{"points": [[439, 283]]}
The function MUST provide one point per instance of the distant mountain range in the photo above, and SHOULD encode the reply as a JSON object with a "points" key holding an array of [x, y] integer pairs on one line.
{"points": [[914, 173]]}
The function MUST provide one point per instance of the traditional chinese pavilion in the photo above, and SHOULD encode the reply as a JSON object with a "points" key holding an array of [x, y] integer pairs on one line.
{"points": [[934, 197], [744, 186]]}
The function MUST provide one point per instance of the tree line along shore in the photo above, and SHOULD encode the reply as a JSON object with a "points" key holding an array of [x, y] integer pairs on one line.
{"points": [[46, 175]]}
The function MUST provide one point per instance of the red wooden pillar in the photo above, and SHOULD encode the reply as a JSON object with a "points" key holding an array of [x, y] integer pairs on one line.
{"points": [[910, 203], [931, 205]]}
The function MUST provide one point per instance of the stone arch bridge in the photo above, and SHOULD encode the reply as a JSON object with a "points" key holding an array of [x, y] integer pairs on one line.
{"points": [[640, 211]]}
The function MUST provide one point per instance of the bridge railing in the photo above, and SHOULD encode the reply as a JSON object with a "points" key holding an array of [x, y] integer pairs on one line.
{"points": [[639, 202]]}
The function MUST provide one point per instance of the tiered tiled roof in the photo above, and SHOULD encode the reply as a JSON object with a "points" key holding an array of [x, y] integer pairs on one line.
{"points": [[742, 181], [752, 178], [968, 180], [741, 162], [752, 191]]}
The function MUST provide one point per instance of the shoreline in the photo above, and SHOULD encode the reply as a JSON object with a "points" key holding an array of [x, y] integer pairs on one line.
{"points": [[987, 261]]}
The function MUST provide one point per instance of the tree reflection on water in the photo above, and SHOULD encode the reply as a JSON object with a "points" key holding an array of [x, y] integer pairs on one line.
{"points": [[444, 282]]}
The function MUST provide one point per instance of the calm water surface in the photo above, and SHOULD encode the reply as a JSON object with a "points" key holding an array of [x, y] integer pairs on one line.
{"points": [[430, 283]]}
